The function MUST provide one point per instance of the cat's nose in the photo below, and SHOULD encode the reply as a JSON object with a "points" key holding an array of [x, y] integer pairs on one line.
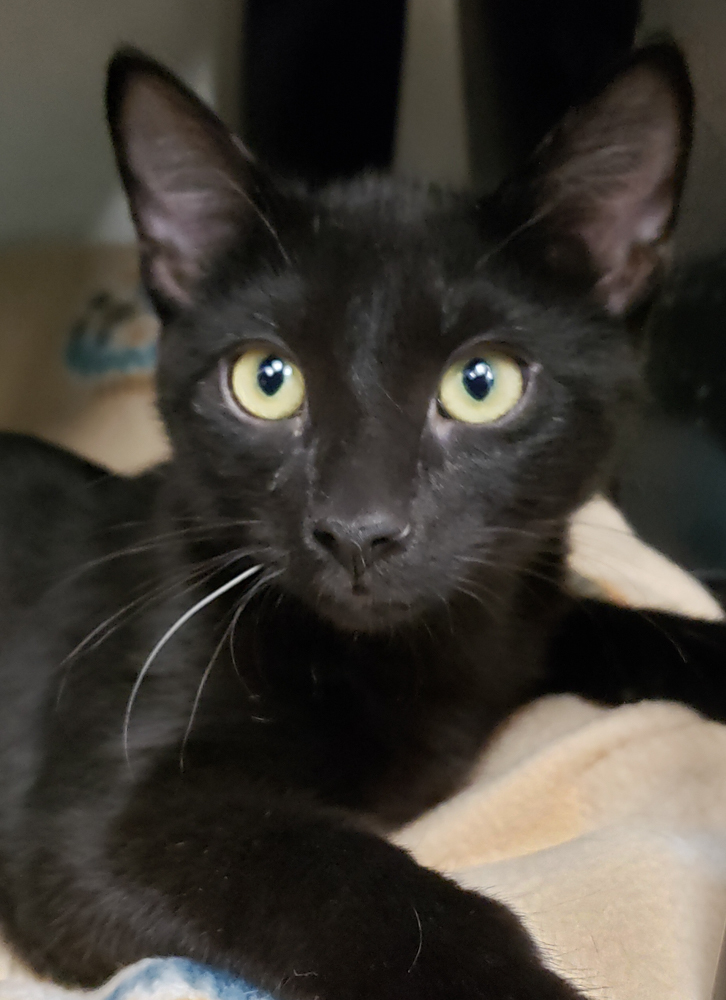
{"points": [[358, 544]]}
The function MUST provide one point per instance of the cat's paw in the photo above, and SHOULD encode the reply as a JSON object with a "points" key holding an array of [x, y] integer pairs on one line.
{"points": [[483, 952]]}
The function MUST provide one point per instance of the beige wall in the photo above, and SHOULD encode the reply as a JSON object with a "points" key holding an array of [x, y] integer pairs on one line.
{"points": [[434, 141], [431, 134], [57, 179]]}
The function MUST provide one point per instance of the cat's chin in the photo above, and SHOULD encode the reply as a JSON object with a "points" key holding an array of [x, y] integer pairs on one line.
{"points": [[362, 613]]}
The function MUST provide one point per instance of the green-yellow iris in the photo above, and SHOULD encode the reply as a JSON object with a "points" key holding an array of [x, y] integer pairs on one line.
{"points": [[266, 384], [481, 388]]}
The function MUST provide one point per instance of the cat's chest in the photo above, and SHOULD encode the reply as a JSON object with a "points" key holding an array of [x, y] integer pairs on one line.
{"points": [[380, 737]]}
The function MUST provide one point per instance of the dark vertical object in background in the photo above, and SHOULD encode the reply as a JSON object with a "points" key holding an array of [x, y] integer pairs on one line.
{"points": [[547, 55], [320, 84], [671, 483]]}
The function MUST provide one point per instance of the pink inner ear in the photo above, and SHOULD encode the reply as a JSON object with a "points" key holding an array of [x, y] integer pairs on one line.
{"points": [[183, 230], [616, 181], [624, 239], [186, 193]]}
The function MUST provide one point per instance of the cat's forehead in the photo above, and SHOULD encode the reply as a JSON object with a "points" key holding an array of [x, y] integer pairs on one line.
{"points": [[345, 306], [384, 200], [385, 260], [350, 311], [385, 273]]}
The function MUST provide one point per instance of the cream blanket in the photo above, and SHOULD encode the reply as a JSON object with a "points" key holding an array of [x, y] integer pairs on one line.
{"points": [[604, 828]]}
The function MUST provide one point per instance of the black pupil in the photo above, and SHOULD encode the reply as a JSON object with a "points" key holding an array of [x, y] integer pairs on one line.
{"points": [[271, 375], [478, 378]]}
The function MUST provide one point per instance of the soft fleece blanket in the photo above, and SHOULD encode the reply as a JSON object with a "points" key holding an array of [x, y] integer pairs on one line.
{"points": [[604, 828]]}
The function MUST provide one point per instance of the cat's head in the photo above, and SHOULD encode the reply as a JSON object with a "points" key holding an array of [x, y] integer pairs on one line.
{"points": [[406, 391]]}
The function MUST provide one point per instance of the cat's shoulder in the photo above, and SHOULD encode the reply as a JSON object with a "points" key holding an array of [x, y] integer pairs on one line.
{"points": [[56, 511], [26, 461], [41, 480]]}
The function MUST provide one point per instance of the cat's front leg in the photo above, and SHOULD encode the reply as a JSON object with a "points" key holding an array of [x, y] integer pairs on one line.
{"points": [[614, 655], [290, 897]]}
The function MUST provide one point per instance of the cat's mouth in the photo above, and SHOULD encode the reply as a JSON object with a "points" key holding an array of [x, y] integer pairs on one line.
{"points": [[358, 610]]}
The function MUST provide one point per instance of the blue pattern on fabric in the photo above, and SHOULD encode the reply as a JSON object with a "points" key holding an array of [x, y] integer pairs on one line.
{"points": [[98, 343], [164, 977]]}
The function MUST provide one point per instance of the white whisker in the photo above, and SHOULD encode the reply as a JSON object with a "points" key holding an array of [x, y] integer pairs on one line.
{"points": [[517, 231], [228, 633], [170, 632], [198, 696], [139, 603], [204, 532]]}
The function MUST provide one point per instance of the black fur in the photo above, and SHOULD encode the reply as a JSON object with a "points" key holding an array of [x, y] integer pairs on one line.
{"points": [[232, 810]]}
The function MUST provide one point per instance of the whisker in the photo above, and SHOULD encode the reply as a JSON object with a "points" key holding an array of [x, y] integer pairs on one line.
{"points": [[233, 655], [197, 697], [510, 568], [132, 610], [149, 595], [517, 231], [261, 216], [478, 598], [228, 633], [547, 209], [205, 532], [170, 632]]}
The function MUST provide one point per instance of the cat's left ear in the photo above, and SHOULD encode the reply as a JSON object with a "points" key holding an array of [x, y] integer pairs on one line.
{"points": [[190, 184], [610, 176]]}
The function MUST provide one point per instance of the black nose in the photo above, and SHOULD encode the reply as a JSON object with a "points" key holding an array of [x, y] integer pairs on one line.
{"points": [[359, 544]]}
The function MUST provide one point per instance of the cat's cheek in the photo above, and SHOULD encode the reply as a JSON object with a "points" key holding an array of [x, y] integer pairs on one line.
{"points": [[236, 446]]}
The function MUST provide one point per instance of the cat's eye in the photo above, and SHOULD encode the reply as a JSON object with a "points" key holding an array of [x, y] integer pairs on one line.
{"points": [[266, 384], [481, 388]]}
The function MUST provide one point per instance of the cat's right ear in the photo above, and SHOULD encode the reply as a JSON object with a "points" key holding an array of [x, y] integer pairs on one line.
{"points": [[601, 193], [189, 182]]}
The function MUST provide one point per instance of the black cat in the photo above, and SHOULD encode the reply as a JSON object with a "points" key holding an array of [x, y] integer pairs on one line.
{"points": [[224, 680]]}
